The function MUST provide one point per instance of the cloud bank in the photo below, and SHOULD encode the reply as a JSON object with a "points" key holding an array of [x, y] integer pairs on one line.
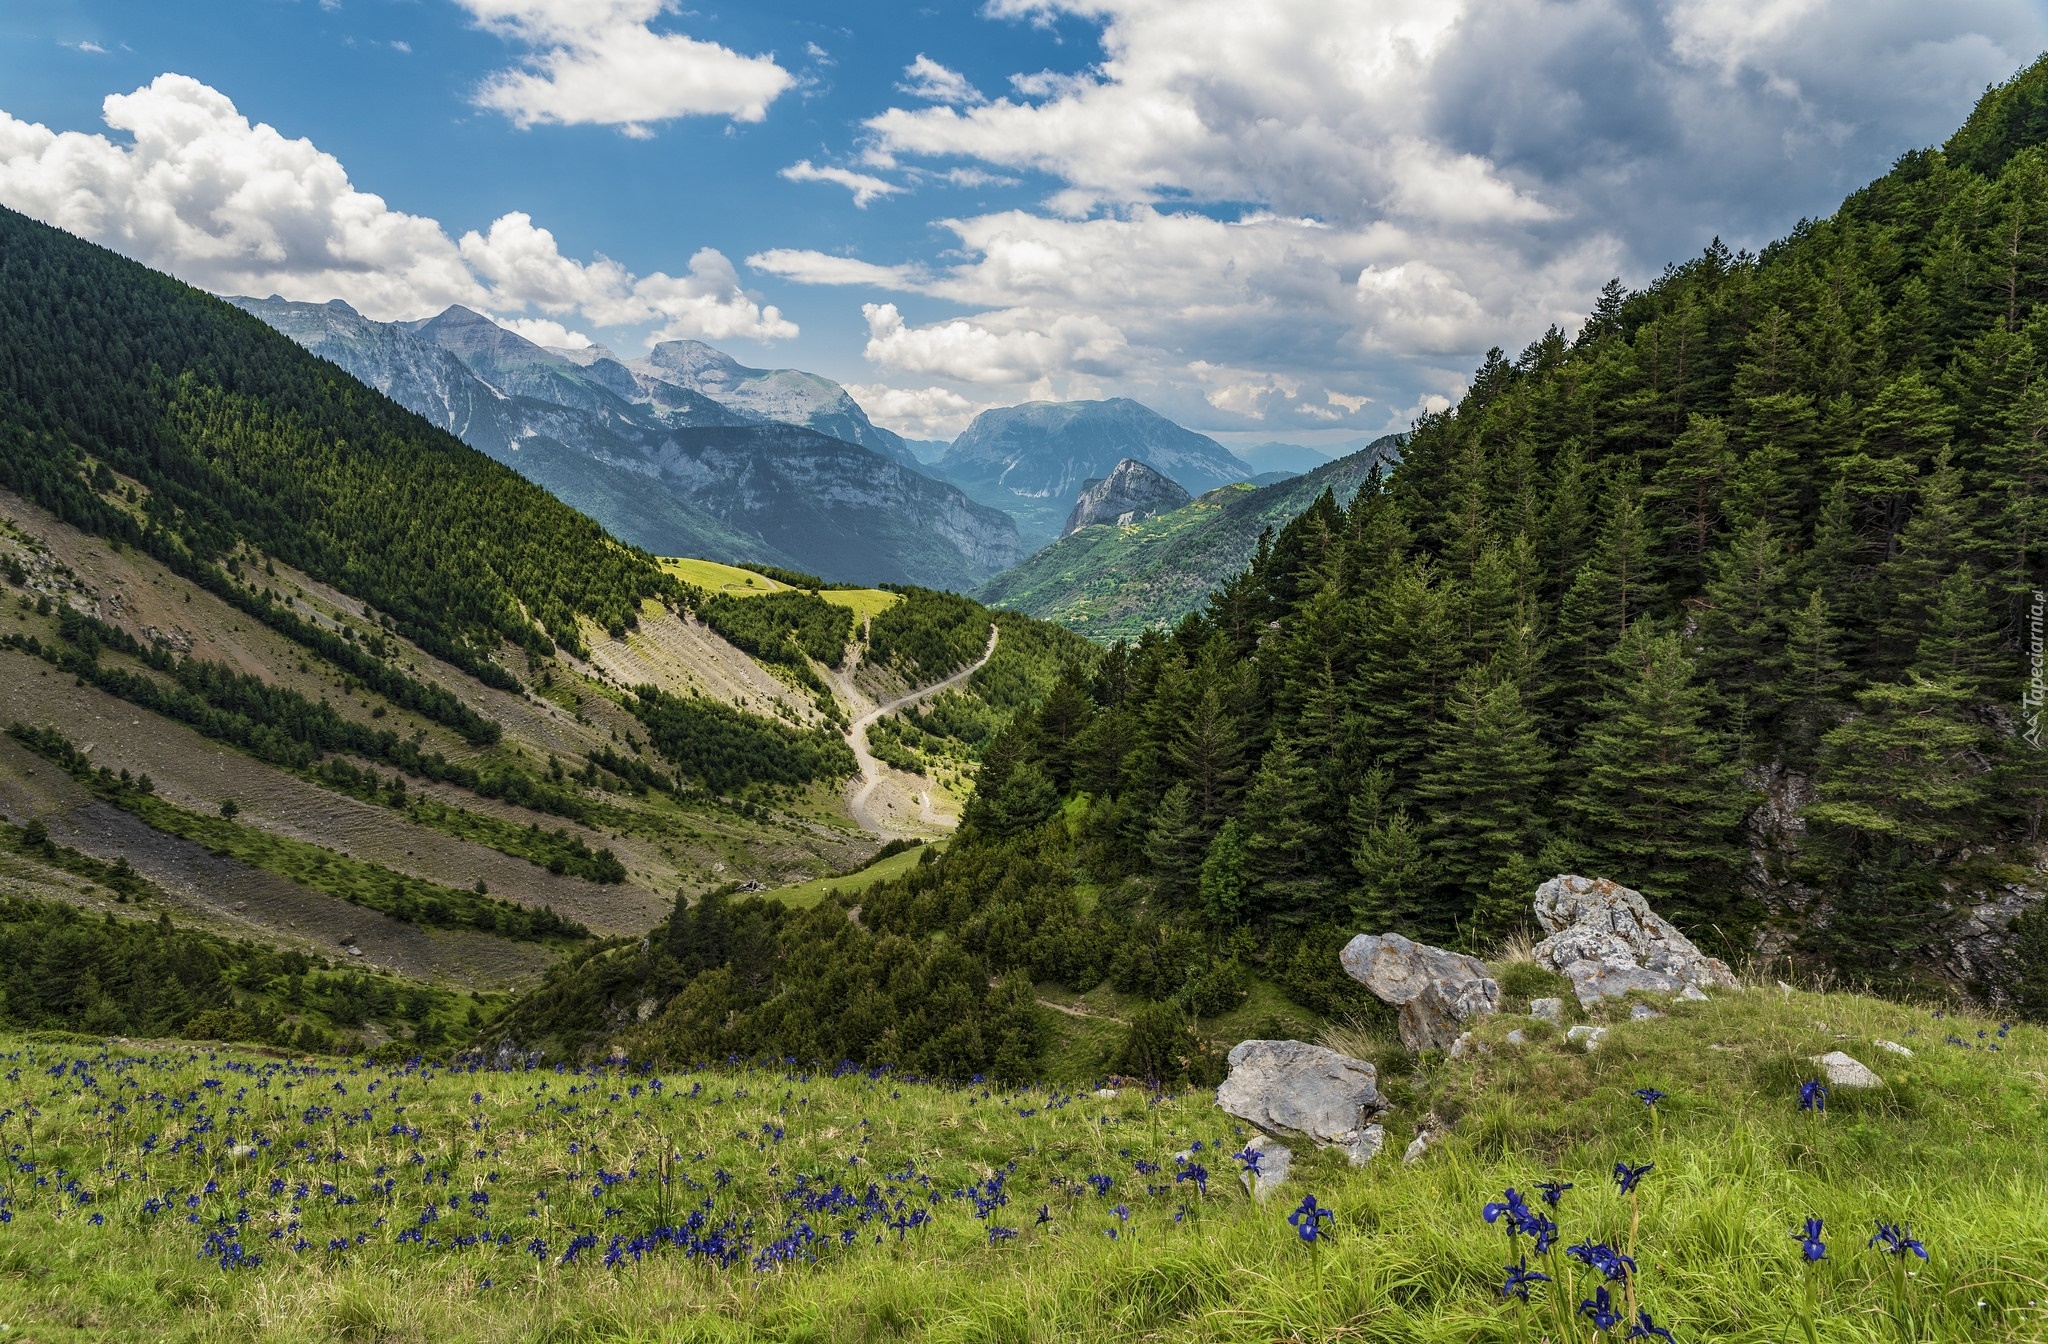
{"points": [[1283, 212], [239, 208]]}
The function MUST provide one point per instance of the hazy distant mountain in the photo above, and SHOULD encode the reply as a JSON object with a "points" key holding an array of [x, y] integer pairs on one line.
{"points": [[1031, 460], [1131, 493], [1115, 582], [789, 396], [1290, 457], [662, 465]]}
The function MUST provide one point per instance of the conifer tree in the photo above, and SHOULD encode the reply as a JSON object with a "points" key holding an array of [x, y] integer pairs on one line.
{"points": [[1741, 631], [1658, 798], [1174, 843], [1280, 835], [1395, 875], [1808, 695], [1224, 885], [1901, 783], [1482, 787]]}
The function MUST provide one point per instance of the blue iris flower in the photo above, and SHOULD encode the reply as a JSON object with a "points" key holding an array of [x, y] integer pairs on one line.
{"points": [[1898, 1240], [1309, 1218], [1553, 1191], [1511, 1204], [1601, 1308], [1813, 1095], [1809, 1241], [1520, 1276], [1626, 1176], [1598, 1255], [1645, 1328], [1649, 1096]]}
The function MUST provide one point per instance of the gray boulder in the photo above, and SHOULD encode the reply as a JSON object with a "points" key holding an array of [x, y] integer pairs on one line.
{"points": [[1437, 991], [1288, 1087], [1607, 941], [1547, 1010]]}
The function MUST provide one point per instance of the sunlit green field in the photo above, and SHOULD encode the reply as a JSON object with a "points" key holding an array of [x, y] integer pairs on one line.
{"points": [[713, 577], [175, 1192]]}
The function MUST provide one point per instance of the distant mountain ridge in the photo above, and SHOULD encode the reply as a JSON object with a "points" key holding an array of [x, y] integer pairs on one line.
{"points": [[1115, 582], [661, 464], [1032, 460]]}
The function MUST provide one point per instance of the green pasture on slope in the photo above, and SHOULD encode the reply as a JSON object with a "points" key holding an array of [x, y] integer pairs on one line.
{"points": [[804, 895], [712, 577], [174, 1192]]}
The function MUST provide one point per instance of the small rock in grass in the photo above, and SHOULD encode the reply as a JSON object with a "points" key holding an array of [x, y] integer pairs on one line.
{"points": [[1895, 1048], [1107, 1093], [1547, 1010], [1591, 1036], [1642, 1012], [1692, 994], [1516, 1037], [1368, 1144], [1274, 1159], [1842, 1071], [1418, 1147]]}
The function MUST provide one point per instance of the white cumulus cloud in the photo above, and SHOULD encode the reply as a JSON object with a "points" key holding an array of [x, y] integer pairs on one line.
{"points": [[599, 62], [925, 78], [864, 186], [239, 208], [919, 412], [1302, 209]]}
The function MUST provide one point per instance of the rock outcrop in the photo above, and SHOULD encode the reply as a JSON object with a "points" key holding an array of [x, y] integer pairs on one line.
{"points": [[1130, 493], [1607, 941], [1438, 992], [1291, 1088]]}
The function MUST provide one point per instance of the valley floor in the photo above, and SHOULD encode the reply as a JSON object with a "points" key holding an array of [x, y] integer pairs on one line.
{"points": [[174, 1192]]}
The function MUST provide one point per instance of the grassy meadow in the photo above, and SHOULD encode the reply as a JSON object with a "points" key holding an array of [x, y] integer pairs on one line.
{"points": [[176, 1192], [731, 580]]}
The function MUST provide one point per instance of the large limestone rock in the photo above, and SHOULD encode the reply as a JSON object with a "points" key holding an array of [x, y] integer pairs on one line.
{"points": [[1288, 1087], [1438, 992], [1607, 941]]}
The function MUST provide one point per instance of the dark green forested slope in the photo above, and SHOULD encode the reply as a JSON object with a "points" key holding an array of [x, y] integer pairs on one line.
{"points": [[239, 436], [1769, 529], [1109, 582]]}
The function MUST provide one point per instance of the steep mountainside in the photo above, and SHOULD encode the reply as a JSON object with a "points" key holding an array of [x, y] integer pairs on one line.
{"points": [[1291, 457], [663, 466], [1113, 582], [1130, 494], [1033, 459], [282, 660], [789, 396]]}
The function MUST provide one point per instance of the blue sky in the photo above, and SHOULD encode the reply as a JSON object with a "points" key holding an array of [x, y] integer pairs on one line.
{"points": [[1295, 219]]}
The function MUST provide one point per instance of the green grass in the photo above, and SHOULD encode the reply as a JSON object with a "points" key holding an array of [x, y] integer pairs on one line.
{"points": [[865, 603], [1953, 1143], [804, 895], [713, 577]]}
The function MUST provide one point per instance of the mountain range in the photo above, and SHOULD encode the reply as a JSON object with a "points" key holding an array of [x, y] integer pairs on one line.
{"points": [[1032, 460], [647, 451]]}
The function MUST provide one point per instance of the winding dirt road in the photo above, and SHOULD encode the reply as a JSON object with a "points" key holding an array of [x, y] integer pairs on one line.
{"points": [[857, 734]]}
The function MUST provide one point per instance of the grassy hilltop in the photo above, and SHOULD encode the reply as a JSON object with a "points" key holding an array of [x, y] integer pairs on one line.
{"points": [[178, 1192]]}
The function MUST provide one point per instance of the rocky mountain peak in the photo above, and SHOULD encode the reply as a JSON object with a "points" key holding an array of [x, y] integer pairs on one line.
{"points": [[1130, 493]]}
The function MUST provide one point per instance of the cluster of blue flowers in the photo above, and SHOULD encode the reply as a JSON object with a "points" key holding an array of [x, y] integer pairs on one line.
{"points": [[335, 1158]]}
